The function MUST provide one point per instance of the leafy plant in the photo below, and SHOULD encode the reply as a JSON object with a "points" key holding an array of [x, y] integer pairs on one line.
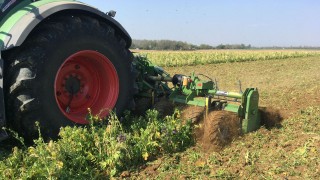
{"points": [[99, 150]]}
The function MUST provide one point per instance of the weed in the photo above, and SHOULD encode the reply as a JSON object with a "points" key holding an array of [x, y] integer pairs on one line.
{"points": [[99, 150]]}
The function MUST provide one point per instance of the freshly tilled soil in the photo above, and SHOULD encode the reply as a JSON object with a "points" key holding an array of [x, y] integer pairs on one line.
{"points": [[270, 117]]}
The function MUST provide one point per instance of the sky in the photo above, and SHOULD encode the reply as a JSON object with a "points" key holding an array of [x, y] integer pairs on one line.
{"points": [[256, 22]]}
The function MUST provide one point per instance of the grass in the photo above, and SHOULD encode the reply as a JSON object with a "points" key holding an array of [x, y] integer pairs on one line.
{"points": [[287, 152]]}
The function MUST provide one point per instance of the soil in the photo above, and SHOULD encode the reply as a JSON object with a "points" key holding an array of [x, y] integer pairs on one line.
{"points": [[270, 117], [193, 113], [219, 129]]}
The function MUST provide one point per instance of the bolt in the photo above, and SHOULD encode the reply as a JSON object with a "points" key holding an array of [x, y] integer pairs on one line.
{"points": [[77, 67], [88, 96], [68, 110]]}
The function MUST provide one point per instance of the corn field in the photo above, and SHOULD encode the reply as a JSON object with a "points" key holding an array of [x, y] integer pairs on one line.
{"points": [[190, 58]]}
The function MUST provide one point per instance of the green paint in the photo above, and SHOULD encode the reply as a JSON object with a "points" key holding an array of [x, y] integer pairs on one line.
{"points": [[251, 121], [232, 108]]}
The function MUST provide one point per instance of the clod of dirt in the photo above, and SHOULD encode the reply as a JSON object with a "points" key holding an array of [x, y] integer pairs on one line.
{"points": [[219, 129], [270, 117]]}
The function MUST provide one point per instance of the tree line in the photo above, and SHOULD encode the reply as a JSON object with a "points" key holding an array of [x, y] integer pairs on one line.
{"points": [[179, 45]]}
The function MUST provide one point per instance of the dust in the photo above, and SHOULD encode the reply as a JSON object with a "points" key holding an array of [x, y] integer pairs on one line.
{"points": [[219, 129], [193, 113], [216, 130], [270, 117]]}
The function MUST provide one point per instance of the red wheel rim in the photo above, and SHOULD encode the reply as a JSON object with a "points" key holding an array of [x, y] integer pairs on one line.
{"points": [[86, 79]]}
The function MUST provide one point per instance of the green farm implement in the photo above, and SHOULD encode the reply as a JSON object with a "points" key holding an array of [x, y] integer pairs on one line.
{"points": [[60, 57], [191, 90]]}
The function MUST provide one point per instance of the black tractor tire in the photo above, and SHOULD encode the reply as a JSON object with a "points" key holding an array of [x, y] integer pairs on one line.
{"points": [[31, 71]]}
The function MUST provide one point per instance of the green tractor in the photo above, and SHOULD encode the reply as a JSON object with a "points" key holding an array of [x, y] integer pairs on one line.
{"points": [[61, 57]]}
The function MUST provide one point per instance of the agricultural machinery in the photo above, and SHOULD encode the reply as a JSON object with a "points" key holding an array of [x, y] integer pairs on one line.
{"points": [[61, 57]]}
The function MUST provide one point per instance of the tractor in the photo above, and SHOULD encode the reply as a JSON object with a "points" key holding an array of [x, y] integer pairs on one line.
{"points": [[61, 57]]}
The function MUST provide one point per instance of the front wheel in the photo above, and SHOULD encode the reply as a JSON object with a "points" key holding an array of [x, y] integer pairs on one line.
{"points": [[68, 64]]}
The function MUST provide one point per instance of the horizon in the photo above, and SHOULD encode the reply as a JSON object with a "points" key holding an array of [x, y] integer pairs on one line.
{"points": [[311, 47], [261, 23]]}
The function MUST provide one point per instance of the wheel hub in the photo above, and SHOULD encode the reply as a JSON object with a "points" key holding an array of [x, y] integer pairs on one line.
{"points": [[86, 79], [72, 85]]}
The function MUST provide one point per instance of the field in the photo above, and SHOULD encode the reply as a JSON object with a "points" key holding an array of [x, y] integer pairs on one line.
{"points": [[191, 58], [288, 80], [288, 152]]}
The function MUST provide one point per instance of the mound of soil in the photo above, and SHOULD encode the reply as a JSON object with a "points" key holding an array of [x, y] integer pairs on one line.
{"points": [[270, 117], [219, 129]]}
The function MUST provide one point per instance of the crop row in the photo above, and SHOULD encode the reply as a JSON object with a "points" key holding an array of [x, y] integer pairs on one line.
{"points": [[190, 58]]}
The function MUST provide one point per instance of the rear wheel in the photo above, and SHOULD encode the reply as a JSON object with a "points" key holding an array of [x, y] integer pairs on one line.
{"points": [[67, 65], [86, 79]]}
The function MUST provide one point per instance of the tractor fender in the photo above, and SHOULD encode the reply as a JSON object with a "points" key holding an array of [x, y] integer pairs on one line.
{"points": [[36, 13]]}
